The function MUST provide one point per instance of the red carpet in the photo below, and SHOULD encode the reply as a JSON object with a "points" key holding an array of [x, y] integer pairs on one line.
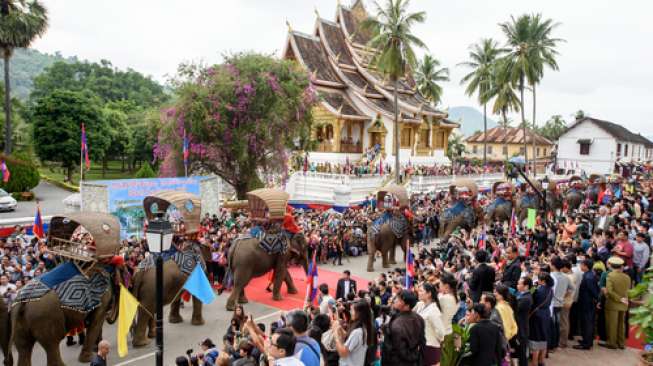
{"points": [[255, 291], [634, 342]]}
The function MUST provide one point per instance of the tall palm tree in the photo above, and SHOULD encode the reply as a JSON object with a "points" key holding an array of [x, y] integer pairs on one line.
{"points": [[520, 59], [428, 76], [394, 41], [21, 21], [503, 92], [455, 149], [544, 54], [482, 57]]}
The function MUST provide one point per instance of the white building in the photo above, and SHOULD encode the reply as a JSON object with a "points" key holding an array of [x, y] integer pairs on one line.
{"points": [[597, 146]]}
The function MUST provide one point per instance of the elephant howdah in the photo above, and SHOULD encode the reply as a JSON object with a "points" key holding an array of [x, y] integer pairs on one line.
{"points": [[398, 224], [186, 260]]}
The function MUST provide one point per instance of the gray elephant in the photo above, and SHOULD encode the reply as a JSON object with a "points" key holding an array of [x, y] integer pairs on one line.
{"points": [[5, 333], [528, 198], [391, 229], [575, 194], [462, 211], [500, 209]]}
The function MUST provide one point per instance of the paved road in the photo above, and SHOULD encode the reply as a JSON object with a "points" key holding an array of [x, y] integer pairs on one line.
{"points": [[180, 337], [50, 198]]}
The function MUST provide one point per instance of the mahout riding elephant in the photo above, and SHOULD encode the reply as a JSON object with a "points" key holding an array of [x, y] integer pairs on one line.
{"points": [[5, 333], [247, 260], [595, 185], [527, 198], [553, 197], [177, 267], [575, 194], [500, 209], [393, 228], [82, 291], [462, 210]]}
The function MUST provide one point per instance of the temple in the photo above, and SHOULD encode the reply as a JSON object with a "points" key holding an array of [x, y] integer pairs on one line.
{"points": [[356, 108]]}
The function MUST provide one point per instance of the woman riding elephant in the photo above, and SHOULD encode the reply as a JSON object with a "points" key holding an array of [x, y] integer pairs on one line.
{"points": [[501, 207], [273, 243], [462, 210], [575, 194], [183, 210], [82, 290], [393, 228]]}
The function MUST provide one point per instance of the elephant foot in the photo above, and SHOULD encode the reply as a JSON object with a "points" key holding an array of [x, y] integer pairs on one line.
{"points": [[140, 342], [85, 356], [197, 321], [230, 305], [370, 269], [276, 297], [243, 300], [292, 290], [387, 265], [151, 333], [174, 319], [392, 261]]}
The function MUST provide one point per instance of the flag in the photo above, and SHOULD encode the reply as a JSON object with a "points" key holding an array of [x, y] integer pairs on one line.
{"points": [[410, 267], [532, 213], [513, 222], [87, 161], [185, 147], [311, 284], [126, 312], [305, 163], [198, 285], [381, 166], [481, 240], [5, 172], [347, 164], [37, 229]]}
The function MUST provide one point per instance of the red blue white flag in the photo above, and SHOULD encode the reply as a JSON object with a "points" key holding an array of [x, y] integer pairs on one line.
{"points": [[481, 240], [37, 229], [305, 163], [311, 284], [513, 222], [87, 161], [5, 172], [410, 267], [186, 150], [381, 166]]}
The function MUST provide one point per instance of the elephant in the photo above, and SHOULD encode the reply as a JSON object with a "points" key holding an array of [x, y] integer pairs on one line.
{"points": [[248, 260], [500, 209], [463, 211], [395, 231], [575, 194], [175, 272], [553, 197], [5, 333], [596, 185], [44, 315]]}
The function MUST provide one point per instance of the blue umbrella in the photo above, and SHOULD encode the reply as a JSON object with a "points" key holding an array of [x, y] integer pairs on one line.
{"points": [[517, 160]]}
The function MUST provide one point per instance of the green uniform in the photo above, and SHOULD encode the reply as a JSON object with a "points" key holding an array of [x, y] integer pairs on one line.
{"points": [[617, 285]]}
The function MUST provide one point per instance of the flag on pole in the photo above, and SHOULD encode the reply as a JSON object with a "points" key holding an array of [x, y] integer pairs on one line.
{"points": [[37, 229], [126, 311], [513, 222], [410, 267], [381, 165], [347, 164], [311, 284], [6, 174], [481, 240], [198, 285], [305, 163], [87, 161], [532, 216], [186, 150]]}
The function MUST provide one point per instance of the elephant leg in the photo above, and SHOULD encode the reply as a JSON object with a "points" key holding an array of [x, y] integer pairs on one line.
{"points": [[140, 339], [242, 298], [197, 318], [53, 354], [93, 334], [24, 343], [151, 328], [371, 253], [391, 253], [385, 259], [174, 317], [280, 271], [241, 278], [290, 284]]}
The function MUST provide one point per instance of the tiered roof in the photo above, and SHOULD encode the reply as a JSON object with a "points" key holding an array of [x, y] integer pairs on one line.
{"points": [[337, 58]]}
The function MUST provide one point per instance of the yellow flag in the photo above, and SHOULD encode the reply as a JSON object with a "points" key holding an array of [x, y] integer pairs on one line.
{"points": [[127, 310]]}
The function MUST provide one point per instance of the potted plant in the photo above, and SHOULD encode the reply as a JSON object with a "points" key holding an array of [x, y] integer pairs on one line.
{"points": [[641, 315]]}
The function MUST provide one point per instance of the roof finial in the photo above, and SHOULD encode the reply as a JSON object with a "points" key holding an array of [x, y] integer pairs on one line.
{"points": [[289, 27]]}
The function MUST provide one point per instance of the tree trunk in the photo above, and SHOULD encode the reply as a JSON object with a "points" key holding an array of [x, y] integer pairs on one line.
{"points": [[523, 116], [505, 125], [104, 166], [484, 136], [122, 157], [241, 190], [396, 147], [7, 56], [534, 129]]}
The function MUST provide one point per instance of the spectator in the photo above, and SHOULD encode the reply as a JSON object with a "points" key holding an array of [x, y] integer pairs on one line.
{"points": [[326, 301], [360, 335], [428, 308], [281, 349], [307, 349], [482, 277], [484, 338], [404, 335], [616, 304], [524, 304], [100, 358], [588, 295], [345, 285]]}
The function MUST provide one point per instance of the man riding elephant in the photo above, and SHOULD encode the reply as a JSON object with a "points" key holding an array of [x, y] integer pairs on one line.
{"points": [[553, 197], [528, 198], [185, 253], [595, 183], [462, 210], [500, 209], [393, 227], [273, 243], [81, 291], [575, 194]]}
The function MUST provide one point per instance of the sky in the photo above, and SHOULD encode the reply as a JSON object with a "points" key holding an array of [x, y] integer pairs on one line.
{"points": [[604, 63]]}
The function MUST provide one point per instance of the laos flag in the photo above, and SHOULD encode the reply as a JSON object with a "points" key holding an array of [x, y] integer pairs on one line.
{"points": [[410, 268], [87, 161], [186, 151], [311, 283], [481, 240], [5, 172], [37, 229]]}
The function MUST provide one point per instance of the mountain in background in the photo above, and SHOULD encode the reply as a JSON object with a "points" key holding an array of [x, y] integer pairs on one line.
{"points": [[25, 64], [470, 119]]}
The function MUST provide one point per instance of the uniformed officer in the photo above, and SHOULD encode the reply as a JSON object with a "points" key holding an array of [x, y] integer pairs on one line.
{"points": [[616, 303]]}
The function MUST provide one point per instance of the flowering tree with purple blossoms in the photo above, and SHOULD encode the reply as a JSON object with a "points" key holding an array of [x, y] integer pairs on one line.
{"points": [[242, 117]]}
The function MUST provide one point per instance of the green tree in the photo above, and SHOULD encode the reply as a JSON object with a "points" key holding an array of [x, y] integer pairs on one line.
{"points": [[482, 57], [553, 128], [24, 174], [428, 76], [145, 171], [580, 114], [241, 118], [57, 123], [503, 93], [455, 148], [394, 41], [119, 134], [21, 22]]}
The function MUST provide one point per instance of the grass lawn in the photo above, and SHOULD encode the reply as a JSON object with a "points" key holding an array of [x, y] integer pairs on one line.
{"points": [[95, 173]]}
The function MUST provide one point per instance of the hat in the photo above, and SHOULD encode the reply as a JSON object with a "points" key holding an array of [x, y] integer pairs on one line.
{"points": [[616, 261], [208, 343]]}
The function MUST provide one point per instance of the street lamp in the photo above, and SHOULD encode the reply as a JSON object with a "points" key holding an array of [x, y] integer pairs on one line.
{"points": [[545, 187], [159, 238]]}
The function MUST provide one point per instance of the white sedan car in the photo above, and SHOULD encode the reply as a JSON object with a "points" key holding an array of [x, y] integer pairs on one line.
{"points": [[7, 203]]}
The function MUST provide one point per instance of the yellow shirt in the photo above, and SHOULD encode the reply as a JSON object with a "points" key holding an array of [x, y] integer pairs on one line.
{"points": [[508, 319]]}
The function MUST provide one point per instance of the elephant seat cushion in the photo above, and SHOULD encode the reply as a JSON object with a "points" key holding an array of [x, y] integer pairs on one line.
{"points": [[186, 261], [77, 293]]}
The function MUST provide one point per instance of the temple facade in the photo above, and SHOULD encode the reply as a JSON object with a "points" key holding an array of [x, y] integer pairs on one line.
{"points": [[356, 108]]}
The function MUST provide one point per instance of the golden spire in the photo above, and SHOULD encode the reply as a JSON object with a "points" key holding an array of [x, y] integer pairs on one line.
{"points": [[289, 27]]}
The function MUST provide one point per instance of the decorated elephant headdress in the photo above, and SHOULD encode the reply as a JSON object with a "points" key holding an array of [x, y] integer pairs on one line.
{"points": [[182, 209], [464, 190], [502, 189], [576, 182]]}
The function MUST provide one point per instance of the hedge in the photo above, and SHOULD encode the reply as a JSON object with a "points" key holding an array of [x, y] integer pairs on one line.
{"points": [[24, 175]]}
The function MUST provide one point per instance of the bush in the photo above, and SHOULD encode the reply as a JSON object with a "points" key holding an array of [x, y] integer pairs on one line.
{"points": [[24, 175], [145, 172]]}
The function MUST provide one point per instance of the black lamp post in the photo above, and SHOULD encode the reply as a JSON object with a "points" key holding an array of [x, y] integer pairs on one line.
{"points": [[159, 238], [545, 187]]}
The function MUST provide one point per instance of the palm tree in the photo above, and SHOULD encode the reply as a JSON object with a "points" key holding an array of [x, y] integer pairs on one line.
{"points": [[21, 21], [482, 57], [503, 92], [544, 55], [394, 42], [455, 149], [428, 75]]}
